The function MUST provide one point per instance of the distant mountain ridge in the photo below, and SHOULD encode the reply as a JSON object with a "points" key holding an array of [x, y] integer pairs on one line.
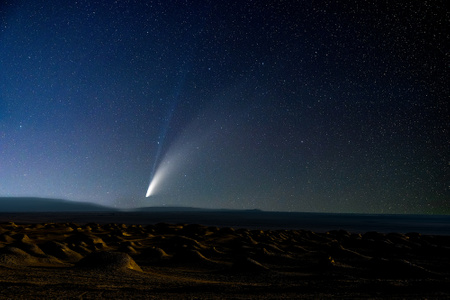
{"points": [[34, 204], [188, 209]]}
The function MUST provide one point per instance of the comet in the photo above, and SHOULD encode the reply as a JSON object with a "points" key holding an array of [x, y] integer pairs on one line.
{"points": [[165, 166], [183, 151], [170, 163], [187, 148], [160, 174]]}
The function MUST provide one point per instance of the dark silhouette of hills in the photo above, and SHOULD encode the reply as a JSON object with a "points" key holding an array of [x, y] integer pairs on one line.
{"points": [[32, 204], [189, 209], [38, 210], [36, 204]]}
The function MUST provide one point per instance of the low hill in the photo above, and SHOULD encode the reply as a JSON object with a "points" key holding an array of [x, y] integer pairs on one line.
{"points": [[31, 204]]}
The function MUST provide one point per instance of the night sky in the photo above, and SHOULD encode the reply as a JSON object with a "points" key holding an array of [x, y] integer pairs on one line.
{"points": [[322, 106]]}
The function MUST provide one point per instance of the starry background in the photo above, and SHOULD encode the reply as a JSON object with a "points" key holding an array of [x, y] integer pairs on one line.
{"points": [[324, 106]]}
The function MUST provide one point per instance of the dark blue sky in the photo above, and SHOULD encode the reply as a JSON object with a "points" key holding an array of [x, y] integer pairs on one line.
{"points": [[277, 105]]}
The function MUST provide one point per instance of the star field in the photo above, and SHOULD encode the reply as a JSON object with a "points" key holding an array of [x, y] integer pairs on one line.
{"points": [[325, 106]]}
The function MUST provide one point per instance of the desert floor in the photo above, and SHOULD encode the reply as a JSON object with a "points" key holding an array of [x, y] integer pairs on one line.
{"points": [[190, 261]]}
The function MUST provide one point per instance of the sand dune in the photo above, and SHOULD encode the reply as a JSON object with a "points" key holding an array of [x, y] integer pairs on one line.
{"points": [[70, 260]]}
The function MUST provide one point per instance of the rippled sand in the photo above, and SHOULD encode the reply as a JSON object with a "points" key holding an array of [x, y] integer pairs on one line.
{"points": [[177, 261]]}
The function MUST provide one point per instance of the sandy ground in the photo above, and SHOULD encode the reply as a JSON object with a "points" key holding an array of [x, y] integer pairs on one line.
{"points": [[190, 261]]}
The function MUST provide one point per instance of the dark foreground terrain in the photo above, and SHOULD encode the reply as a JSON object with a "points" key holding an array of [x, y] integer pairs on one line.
{"points": [[179, 261]]}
